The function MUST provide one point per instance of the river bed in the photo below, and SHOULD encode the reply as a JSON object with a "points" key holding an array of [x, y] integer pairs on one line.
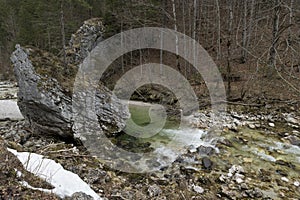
{"points": [[266, 146]]}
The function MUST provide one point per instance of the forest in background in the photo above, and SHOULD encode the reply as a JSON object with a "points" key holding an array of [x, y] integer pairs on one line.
{"points": [[248, 39]]}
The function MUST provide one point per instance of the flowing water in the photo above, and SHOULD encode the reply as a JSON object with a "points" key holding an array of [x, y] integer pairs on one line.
{"points": [[172, 140]]}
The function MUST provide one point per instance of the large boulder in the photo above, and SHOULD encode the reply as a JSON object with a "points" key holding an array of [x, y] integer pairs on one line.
{"points": [[46, 83]]}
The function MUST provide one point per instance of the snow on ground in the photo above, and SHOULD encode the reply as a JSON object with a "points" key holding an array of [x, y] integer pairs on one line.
{"points": [[65, 183], [10, 110]]}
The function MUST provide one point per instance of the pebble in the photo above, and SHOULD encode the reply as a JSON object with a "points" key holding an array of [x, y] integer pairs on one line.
{"points": [[229, 174], [241, 176], [247, 160], [81, 196], [271, 124], [239, 180], [285, 179], [297, 183], [252, 126], [292, 120], [223, 178], [244, 186], [236, 169], [257, 125], [203, 150], [192, 149], [154, 190], [294, 140], [207, 163], [198, 189]]}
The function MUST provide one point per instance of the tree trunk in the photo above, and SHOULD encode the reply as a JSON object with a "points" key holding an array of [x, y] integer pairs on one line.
{"points": [[184, 36], [176, 37], [250, 26], [62, 23], [244, 40], [229, 42], [194, 31], [218, 30], [272, 54], [291, 20]]}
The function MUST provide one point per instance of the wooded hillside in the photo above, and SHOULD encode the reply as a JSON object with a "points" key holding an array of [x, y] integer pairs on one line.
{"points": [[261, 37]]}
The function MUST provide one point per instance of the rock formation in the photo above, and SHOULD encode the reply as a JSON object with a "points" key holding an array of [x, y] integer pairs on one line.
{"points": [[45, 86]]}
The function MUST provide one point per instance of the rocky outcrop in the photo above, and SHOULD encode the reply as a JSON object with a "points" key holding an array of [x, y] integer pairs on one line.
{"points": [[45, 87], [85, 39]]}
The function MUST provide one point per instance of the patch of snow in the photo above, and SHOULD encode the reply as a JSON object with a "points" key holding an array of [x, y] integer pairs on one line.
{"points": [[19, 174], [25, 184], [9, 110], [65, 182]]}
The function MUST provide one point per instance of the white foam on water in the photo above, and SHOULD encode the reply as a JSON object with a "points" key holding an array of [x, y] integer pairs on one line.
{"points": [[264, 156], [260, 153], [180, 140], [284, 148], [288, 148]]}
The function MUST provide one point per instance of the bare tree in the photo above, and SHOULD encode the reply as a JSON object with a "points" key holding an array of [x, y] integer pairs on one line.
{"points": [[194, 31], [291, 19], [275, 34], [250, 26], [244, 37], [229, 43], [176, 37], [219, 55], [63, 35]]}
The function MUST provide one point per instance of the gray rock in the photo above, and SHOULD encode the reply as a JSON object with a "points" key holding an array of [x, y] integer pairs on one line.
{"points": [[47, 111], [44, 101], [154, 190], [252, 126], [254, 193], [230, 194], [207, 163], [198, 189], [85, 39], [223, 178], [236, 169], [294, 140], [271, 124], [203, 150], [244, 186], [81, 196], [291, 119]]}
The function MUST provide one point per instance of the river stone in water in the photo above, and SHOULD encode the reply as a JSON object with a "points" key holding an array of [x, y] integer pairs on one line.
{"points": [[207, 163]]}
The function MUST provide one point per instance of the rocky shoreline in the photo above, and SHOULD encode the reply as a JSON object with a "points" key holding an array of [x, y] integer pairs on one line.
{"points": [[248, 165]]}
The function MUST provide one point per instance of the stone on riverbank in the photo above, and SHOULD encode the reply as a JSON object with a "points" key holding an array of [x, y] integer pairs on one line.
{"points": [[46, 83]]}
